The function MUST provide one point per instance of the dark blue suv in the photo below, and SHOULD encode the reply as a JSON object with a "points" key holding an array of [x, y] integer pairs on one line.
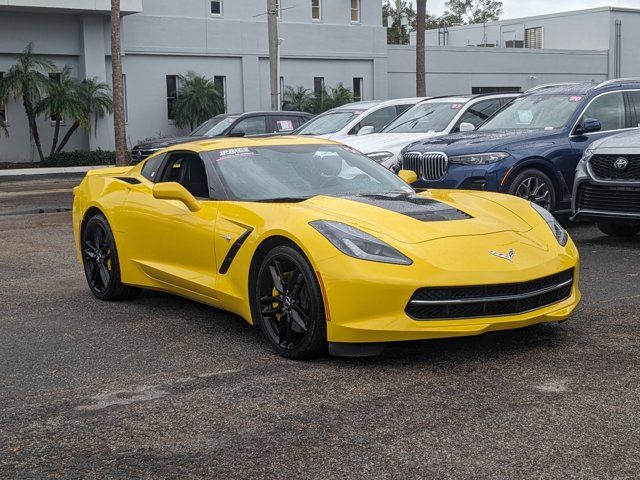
{"points": [[531, 147]]}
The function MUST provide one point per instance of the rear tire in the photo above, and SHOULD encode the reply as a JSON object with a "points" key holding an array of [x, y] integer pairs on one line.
{"points": [[618, 229], [288, 305], [535, 186], [100, 261]]}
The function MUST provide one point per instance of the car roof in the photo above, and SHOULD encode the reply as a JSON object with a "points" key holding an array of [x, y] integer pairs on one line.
{"points": [[266, 112], [468, 97], [217, 143]]}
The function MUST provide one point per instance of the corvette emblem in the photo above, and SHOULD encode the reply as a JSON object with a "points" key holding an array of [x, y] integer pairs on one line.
{"points": [[621, 163], [505, 256]]}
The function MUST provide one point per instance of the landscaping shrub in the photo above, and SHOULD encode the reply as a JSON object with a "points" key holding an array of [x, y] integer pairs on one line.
{"points": [[80, 158]]}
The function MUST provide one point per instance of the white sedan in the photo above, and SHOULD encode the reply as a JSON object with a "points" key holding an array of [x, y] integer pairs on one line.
{"points": [[430, 118], [356, 118]]}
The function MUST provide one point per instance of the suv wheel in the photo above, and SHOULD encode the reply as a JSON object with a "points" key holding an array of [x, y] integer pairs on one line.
{"points": [[619, 229], [535, 186]]}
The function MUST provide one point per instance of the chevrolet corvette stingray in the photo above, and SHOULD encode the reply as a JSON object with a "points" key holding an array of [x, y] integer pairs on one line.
{"points": [[319, 245]]}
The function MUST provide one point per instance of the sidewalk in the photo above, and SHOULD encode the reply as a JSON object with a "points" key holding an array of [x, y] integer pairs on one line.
{"points": [[37, 173]]}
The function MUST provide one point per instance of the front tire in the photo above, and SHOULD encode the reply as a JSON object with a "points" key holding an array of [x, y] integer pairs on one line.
{"points": [[535, 186], [288, 304], [618, 229], [100, 261]]}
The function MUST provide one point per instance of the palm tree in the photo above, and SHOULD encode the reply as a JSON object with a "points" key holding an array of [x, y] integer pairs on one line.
{"points": [[335, 97], [94, 102], [198, 100], [421, 25], [26, 80], [62, 101], [118, 86], [298, 99]]}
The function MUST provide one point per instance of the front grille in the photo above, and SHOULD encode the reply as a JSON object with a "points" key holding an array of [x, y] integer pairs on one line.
{"points": [[428, 166], [616, 199], [443, 303], [603, 167], [137, 154]]}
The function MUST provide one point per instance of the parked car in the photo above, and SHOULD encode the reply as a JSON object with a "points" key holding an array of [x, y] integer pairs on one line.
{"points": [[607, 185], [531, 147], [248, 124], [430, 118], [356, 118]]}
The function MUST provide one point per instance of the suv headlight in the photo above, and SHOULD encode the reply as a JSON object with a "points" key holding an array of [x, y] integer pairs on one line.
{"points": [[558, 231], [380, 156], [358, 244], [478, 158]]}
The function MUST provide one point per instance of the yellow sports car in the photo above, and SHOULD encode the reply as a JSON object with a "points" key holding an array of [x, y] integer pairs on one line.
{"points": [[321, 246]]}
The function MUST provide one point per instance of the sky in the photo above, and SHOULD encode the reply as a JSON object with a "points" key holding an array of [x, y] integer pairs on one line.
{"points": [[525, 8]]}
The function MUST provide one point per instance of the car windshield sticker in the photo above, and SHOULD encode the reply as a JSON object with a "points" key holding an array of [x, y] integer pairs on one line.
{"points": [[235, 152], [456, 106], [575, 98], [285, 125], [352, 150]]}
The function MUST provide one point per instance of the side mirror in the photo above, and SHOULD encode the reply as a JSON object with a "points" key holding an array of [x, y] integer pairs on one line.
{"points": [[408, 176], [237, 133], [467, 127], [588, 125], [366, 130], [175, 191]]}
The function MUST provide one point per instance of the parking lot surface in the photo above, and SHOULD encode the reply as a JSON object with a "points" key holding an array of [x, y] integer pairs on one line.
{"points": [[164, 387]]}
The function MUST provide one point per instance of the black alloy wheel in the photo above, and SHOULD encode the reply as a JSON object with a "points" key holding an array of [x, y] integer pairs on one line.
{"points": [[535, 186], [100, 260], [289, 305]]}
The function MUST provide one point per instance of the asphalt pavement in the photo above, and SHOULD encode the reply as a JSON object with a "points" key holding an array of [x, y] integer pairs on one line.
{"points": [[161, 387]]}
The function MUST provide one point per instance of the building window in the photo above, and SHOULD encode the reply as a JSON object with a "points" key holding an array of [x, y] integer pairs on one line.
{"points": [[357, 89], [3, 107], [55, 77], [172, 95], [318, 85], [316, 10], [484, 90], [220, 83], [216, 8], [124, 88], [514, 44], [533, 37], [355, 11]]}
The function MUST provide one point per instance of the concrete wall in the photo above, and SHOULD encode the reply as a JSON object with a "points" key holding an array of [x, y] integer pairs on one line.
{"points": [[456, 70]]}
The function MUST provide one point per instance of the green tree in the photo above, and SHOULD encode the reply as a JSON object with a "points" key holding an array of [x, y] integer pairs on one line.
{"points": [[472, 11], [394, 11], [198, 100], [61, 101], [331, 98], [297, 99], [94, 102], [26, 81]]}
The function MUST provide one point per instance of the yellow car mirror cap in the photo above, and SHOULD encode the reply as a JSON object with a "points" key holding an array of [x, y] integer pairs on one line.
{"points": [[175, 191], [408, 176]]}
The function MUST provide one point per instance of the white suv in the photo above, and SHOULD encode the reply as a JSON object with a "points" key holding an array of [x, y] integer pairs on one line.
{"points": [[356, 118], [430, 118]]}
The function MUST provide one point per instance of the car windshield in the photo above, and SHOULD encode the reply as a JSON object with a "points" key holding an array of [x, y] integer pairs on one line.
{"points": [[329, 122], [213, 127], [425, 117], [298, 172], [539, 111]]}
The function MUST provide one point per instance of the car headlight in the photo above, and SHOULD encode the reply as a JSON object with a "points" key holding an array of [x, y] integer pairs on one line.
{"points": [[358, 244], [478, 158], [558, 231], [380, 156]]}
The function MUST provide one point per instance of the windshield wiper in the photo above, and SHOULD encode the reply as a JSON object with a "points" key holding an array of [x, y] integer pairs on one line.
{"points": [[414, 120], [282, 200]]}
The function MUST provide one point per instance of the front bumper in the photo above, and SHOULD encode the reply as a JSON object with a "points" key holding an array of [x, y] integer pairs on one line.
{"points": [[366, 301], [470, 177], [606, 202]]}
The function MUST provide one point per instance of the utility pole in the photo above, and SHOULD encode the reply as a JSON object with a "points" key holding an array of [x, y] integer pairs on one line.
{"points": [[421, 26], [272, 25], [118, 87]]}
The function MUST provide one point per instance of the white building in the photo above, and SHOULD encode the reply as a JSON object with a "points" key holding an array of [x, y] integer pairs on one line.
{"points": [[324, 42]]}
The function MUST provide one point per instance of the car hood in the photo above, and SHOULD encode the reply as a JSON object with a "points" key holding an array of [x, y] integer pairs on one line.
{"points": [[167, 142], [385, 142], [483, 141], [415, 218], [627, 142]]}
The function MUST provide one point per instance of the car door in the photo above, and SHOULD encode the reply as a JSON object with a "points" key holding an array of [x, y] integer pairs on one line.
{"points": [[170, 243], [611, 110]]}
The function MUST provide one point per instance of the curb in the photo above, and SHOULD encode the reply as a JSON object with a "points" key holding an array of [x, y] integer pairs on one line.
{"points": [[15, 174]]}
